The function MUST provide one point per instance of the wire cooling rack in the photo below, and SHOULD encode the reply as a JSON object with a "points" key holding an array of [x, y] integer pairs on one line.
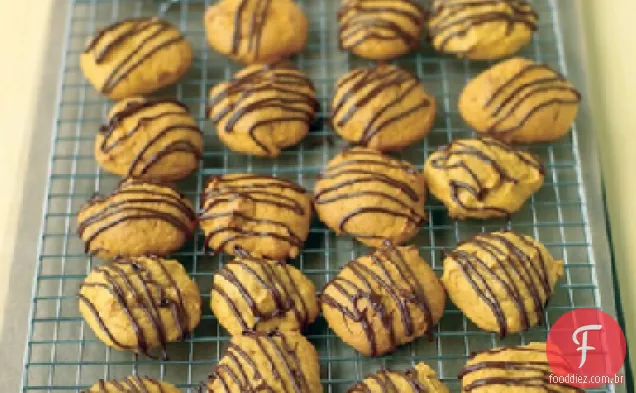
{"points": [[63, 355]]}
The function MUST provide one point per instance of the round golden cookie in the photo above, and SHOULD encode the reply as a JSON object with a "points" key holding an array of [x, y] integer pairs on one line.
{"points": [[256, 31], [138, 218], [149, 139], [132, 384], [251, 294], [371, 197], [481, 29], [501, 280], [520, 101], [140, 303], [263, 109], [257, 215], [519, 369], [384, 299], [382, 107], [380, 29], [482, 178], [275, 362], [418, 379], [135, 57]]}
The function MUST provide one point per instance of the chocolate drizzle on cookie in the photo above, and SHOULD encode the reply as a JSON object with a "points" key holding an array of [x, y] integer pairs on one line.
{"points": [[457, 156], [136, 288], [362, 166], [531, 82], [452, 19], [365, 20], [385, 380], [359, 89], [224, 193], [255, 11], [285, 90], [238, 370], [521, 374], [510, 267], [132, 384], [134, 200], [160, 35], [381, 277], [142, 163], [273, 278]]}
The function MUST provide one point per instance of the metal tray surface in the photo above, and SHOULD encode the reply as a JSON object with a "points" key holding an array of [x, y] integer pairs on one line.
{"points": [[63, 355]]}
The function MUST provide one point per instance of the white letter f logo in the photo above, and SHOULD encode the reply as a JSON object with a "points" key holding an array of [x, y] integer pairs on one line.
{"points": [[584, 347]]}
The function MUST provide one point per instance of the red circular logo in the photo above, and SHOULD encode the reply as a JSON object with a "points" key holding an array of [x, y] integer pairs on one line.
{"points": [[586, 349]]}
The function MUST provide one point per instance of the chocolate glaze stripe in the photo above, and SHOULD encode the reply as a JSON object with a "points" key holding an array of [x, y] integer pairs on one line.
{"points": [[514, 78], [529, 273], [367, 21], [270, 181], [138, 282], [277, 351], [513, 262], [240, 233], [520, 12], [172, 196], [367, 176], [540, 372], [173, 147], [134, 108], [379, 78], [214, 198], [100, 34], [386, 384], [131, 31], [133, 209], [519, 6], [132, 384], [387, 256], [534, 86], [554, 83], [478, 190], [366, 162], [137, 56], [277, 79], [257, 20], [276, 280]]}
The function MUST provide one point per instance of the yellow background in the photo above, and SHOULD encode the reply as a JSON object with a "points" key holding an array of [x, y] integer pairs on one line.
{"points": [[611, 51]]}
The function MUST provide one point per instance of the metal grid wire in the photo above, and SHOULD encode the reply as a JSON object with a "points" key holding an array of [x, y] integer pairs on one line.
{"points": [[63, 355]]}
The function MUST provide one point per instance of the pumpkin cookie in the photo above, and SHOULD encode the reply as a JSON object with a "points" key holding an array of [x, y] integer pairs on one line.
{"points": [[149, 139], [520, 369], [251, 294], [371, 197], [138, 218], [481, 29], [275, 362], [384, 299], [382, 107], [133, 384], [380, 29], [482, 178], [420, 378], [141, 303], [257, 215], [263, 109], [520, 101], [135, 57], [256, 31], [501, 280]]}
